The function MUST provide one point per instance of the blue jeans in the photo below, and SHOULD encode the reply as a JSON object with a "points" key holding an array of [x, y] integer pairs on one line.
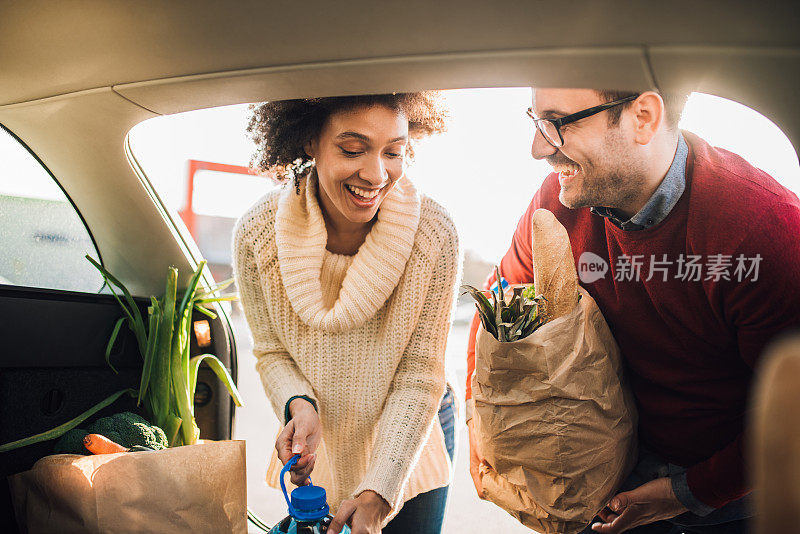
{"points": [[424, 514]]}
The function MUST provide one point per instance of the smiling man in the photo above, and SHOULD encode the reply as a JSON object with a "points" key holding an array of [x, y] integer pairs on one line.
{"points": [[691, 254]]}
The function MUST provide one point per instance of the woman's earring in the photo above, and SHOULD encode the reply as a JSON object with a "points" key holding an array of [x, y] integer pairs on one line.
{"points": [[297, 169]]}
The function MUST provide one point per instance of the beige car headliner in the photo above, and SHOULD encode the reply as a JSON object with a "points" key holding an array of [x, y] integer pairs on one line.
{"points": [[76, 76]]}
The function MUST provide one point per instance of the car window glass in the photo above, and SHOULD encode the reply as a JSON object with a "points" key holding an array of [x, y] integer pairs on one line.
{"points": [[43, 240]]}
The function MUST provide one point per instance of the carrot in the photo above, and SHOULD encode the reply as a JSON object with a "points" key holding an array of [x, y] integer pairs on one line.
{"points": [[99, 444]]}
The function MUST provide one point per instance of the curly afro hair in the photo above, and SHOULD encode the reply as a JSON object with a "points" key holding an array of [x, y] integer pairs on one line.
{"points": [[282, 128]]}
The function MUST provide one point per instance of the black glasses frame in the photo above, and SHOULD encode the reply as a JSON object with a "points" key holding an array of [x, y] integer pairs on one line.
{"points": [[572, 117]]}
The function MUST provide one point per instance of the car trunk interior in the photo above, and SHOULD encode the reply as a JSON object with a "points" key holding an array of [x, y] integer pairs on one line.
{"points": [[53, 368]]}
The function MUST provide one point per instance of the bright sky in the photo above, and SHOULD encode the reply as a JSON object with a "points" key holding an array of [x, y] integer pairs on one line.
{"points": [[480, 170]]}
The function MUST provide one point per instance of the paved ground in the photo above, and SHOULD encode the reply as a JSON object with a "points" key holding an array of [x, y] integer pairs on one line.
{"points": [[255, 422]]}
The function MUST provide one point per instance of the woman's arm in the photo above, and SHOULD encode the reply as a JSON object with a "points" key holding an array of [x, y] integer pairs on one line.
{"points": [[281, 377], [290, 393], [418, 384]]}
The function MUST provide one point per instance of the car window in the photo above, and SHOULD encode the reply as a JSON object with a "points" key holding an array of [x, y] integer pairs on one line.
{"points": [[43, 239]]}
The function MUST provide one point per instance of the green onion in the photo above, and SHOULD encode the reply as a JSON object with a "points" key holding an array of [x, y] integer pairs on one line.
{"points": [[111, 341], [219, 369], [169, 376]]}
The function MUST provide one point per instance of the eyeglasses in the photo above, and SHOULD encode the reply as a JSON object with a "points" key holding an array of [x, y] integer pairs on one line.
{"points": [[551, 128]]}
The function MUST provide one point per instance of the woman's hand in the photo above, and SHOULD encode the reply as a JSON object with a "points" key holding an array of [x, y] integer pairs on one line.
{"points": [[301, 435], [365, 514]]}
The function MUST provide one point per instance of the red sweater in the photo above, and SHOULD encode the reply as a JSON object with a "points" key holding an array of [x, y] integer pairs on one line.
{"points": [[690, 346]]}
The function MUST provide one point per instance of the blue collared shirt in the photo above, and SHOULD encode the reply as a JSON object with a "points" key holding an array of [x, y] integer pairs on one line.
{"points": [[663, 199]]}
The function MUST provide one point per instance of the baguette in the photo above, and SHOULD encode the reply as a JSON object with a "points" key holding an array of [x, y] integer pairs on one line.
{"points": [[554, 273]]}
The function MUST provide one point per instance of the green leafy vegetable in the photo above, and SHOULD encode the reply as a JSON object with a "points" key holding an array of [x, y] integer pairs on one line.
{"points": [[509, 321], [129, 430], [169, 377]]}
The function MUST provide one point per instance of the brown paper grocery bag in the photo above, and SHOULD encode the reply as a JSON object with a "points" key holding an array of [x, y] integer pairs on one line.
{"points": [[195, 488], [556, 424]]}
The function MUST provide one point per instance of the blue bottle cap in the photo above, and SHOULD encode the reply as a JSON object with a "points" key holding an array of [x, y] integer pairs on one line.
{"points": [[308, 503], [309, 499]]}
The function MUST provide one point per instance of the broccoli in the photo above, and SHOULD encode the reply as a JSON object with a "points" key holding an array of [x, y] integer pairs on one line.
{"points": [[71, 442], [129, 429], [126, 428]]}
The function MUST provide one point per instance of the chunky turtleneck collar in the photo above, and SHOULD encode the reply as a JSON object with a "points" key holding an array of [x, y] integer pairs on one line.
{"points": [[376, 269]]}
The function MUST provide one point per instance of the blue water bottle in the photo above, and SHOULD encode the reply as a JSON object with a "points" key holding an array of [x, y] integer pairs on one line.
{"points": [[308, 508]]}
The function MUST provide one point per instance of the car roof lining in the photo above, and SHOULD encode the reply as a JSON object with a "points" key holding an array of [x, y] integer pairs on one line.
{"points": [[736, 73], [379, 75], [58, 48]]}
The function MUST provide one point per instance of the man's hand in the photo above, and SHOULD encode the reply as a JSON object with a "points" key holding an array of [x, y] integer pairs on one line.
{"points": [[301, 435], [364, 514], [475, 458], [646, 504]]}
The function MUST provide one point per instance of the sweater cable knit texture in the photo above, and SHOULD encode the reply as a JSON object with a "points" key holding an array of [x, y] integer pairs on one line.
{"points": [[363, 335]]}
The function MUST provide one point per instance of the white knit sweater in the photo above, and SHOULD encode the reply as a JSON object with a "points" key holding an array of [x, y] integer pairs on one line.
{"points": [[363, 335]]}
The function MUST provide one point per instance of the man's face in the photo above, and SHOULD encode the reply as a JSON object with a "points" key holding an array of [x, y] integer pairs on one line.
{"points": [[597, 164]]}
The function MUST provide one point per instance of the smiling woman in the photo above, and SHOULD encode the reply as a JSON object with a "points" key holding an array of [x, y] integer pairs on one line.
{"points": [[347, 281], [358, 145], [359, 155]]}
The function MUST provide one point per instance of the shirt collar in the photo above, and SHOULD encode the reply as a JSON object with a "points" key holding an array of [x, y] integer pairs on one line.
{"points": [[663, 199]]}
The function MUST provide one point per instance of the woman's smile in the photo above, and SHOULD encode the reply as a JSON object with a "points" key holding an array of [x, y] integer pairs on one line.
{"points": [[366, 194], [363, 198]]}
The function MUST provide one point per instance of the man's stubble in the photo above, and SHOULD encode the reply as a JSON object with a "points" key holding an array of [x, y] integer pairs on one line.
{"points": [[614, 178]]}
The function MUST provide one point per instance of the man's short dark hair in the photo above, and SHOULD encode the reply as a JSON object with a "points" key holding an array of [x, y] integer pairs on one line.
{"points": [[673, 105]]}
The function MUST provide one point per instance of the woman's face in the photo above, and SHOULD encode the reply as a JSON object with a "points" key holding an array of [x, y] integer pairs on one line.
{"points": [[360, 155]]}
